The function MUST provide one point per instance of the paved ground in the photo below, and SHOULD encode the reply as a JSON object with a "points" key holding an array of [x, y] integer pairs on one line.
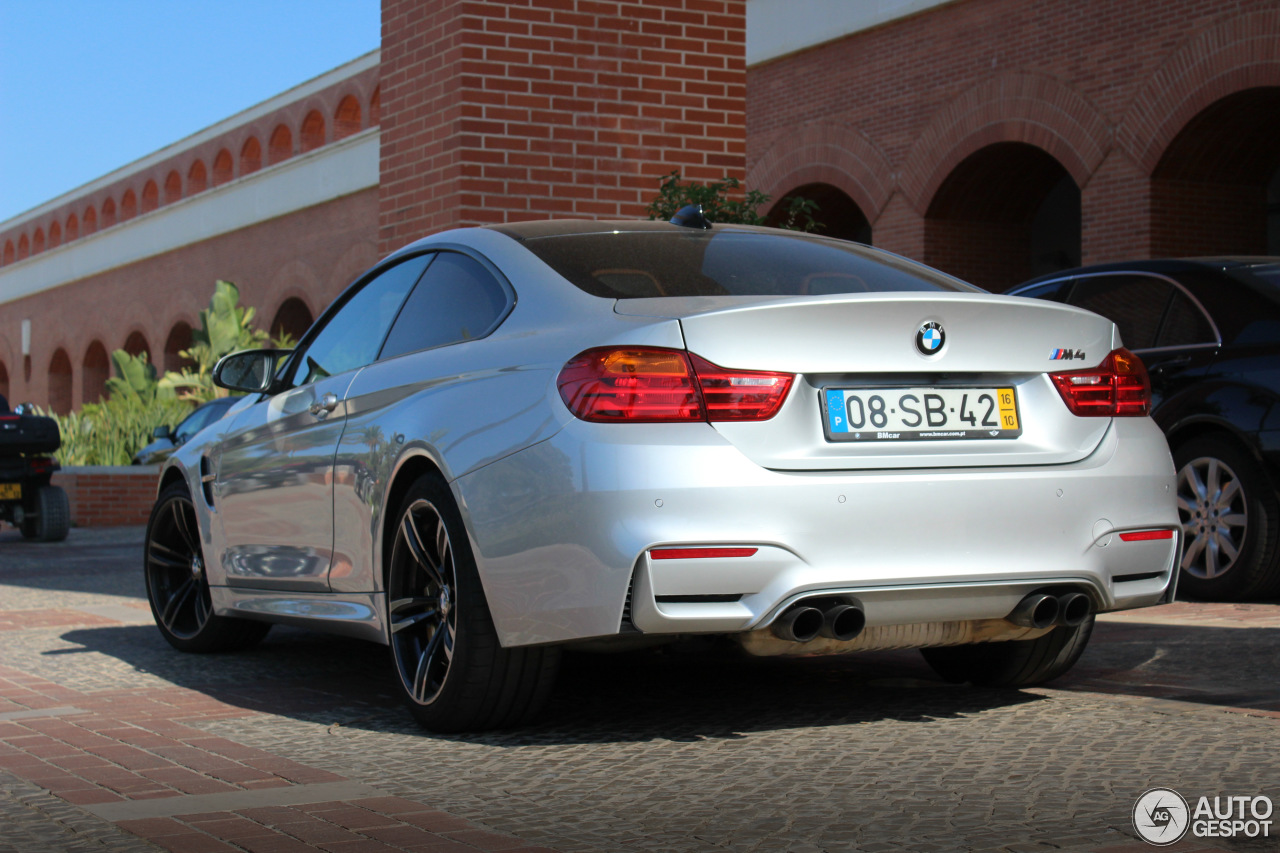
{"points": [[111, 740]]}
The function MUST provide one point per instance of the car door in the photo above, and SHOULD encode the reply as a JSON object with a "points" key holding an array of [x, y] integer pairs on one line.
{"points": [[274, 470]]}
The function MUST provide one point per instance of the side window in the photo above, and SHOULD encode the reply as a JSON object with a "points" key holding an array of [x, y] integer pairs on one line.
{"points": [[351, 336], [193, 423], [1135, 303], [1185, 324], [456, 300]]}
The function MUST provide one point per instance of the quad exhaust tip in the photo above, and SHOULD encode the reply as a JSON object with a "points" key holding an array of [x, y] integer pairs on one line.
{"points": [[802, 622], [1042, 610]]}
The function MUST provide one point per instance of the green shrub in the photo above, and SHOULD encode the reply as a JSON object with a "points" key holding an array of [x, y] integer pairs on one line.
{"points": [[719, 205]]}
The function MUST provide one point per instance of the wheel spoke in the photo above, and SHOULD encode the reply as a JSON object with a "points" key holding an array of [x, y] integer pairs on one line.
{"points": [[1227, 547], [167, 562], [422, 676], [1235, 519], [408, 622], [182, 523], [175, 603], [412, 538], [1228, 494], [1193, 551]]}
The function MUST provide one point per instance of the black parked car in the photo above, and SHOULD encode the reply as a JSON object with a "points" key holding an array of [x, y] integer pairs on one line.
{"points": [[1208, 330], [28, 500], [169, 439]]}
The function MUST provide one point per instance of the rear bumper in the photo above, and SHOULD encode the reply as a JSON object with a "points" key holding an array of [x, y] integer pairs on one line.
{"points": [[562, 533]]}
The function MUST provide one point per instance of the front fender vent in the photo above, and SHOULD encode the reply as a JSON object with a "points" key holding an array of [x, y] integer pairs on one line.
{"points": [[206, 480]]}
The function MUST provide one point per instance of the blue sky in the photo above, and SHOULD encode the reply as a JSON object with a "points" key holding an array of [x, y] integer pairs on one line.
{"points": [[88, 86]]}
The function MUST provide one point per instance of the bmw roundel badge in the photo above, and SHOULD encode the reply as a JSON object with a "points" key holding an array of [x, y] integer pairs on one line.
{"points": [[930, 338]]}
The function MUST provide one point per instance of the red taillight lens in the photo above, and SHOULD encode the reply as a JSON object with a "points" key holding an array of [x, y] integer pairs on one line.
{"points": [[700, 553], [1118, 387], [658, 385], [1145, 535], [740, 395], [634, 384]]}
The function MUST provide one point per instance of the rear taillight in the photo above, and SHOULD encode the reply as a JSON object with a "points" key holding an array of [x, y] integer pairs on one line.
{"points": [[1116, 388], [659, 385]]}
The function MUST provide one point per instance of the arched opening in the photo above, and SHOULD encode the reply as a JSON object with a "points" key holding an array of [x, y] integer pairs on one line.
{"points": [[37, 242], [94, 375], [172, 187], [4, 382], [312, 131], [90, 221], [24, 247], [281, 145], [836, 214], [1007, 212], [1210, 191], [375, 107], [60, 383], [178, 340], [10, 253], [55, 235], [198, 178], [128, 206], [250, 156], [293, 318], [346, 119], [136, 344], [150, 196], [73, 228], [223, 168]]}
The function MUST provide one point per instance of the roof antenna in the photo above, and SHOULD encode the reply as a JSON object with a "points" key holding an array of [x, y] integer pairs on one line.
{"points": [[691, 216]]}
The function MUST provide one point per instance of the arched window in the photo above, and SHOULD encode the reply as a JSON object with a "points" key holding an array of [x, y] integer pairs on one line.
{"points": [[375, 107], [150, 196], [293, 318], [281, 147], [172, 187], [73, 228], [4, 381], [55, 235], [312, 131], [24, 247], [37, 242], [60, 382], [250, 156], [128, 206], [346, 119], [223, 168], [136, 344], [198, 178], [10, 254], [90, 221], [93, 377], [178, 340], [108, 213]]}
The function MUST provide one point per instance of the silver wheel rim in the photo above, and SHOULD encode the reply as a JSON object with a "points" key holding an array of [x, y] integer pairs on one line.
{"points": [[1214, 514], [422, 607], [175, 571]]}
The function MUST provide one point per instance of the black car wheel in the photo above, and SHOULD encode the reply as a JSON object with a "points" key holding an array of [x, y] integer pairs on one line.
{"points": [[452, 672], [49, 519], [1017, 663], [1229, 514], [178, 587]]}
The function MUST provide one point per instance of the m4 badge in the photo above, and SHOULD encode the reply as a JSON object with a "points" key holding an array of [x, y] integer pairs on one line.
{"points": [[1066, 355]]}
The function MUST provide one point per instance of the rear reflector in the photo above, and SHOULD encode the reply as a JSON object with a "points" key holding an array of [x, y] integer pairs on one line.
{"points": [[1118, 387], [1145, 535], [699, 553], [659, 385]]}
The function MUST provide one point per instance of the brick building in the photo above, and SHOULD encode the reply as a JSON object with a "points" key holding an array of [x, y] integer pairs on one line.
{"points": [[992, 138]]}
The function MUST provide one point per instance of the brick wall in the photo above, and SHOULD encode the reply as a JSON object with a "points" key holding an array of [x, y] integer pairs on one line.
{"points": [[103, 496], [502, 110], [1122, 95]]}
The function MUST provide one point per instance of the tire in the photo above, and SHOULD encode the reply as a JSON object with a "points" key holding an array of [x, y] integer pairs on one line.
{"points": [[451, 670], [1017, 663], [1230, 518], [51, 517], [177, 586]]}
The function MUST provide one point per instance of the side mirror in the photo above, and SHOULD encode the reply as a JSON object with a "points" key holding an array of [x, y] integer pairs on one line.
{"points": [[250, 371], [162, 432]]}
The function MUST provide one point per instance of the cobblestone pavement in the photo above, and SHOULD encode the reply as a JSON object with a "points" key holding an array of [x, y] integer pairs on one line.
{"points": [[109, 739]]}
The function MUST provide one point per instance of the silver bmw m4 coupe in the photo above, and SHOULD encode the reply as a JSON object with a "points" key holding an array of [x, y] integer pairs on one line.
{"points": [[504, 441]]}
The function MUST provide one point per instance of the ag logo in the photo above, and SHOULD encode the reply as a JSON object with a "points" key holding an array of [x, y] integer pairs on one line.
{"points": [[930, 338], [1161, 816]]}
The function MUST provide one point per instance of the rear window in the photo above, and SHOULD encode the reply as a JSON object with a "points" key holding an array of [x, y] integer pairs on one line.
{"points": [[728, 262]]}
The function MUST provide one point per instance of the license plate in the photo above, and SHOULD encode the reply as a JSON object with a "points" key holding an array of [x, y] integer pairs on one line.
{"points": [[920, 414], [10, 491]]}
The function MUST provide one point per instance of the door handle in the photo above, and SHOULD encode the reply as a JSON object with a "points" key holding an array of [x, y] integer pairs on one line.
{"points": [[326, 404], [1172, 363]]}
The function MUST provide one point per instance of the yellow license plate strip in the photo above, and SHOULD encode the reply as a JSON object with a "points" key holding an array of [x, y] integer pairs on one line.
{"points": [[10, 491]]}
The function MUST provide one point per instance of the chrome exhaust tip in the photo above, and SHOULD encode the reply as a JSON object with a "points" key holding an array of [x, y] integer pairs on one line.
{"points": [[1074, 608], [799, 624], [843, 622], [1037, 610]]}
